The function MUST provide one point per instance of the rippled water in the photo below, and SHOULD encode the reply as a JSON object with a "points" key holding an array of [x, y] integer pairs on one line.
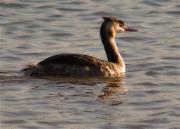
{"points": [[147, 97]]}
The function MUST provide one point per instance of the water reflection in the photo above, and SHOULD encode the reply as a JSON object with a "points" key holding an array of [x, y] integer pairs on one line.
{"points": [[113, 87], [107, 90]]}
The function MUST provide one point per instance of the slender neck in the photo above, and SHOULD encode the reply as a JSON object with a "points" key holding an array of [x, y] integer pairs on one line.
{"points": [[110, 46]]}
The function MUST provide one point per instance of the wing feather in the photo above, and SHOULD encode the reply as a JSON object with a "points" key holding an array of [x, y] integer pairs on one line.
{"points": [[71, 59]]}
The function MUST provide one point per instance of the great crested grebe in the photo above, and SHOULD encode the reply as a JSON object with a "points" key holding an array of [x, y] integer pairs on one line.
{"points": [[84, 65]]}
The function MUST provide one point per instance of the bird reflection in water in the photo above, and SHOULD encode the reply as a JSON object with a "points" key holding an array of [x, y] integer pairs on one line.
{"points": [[113, 91]]}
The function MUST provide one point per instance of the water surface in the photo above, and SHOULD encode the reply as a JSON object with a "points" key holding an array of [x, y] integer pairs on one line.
{"points": [[147, 97]]}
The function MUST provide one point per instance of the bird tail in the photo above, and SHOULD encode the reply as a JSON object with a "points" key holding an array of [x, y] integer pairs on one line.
{"points": [[31, 70]]}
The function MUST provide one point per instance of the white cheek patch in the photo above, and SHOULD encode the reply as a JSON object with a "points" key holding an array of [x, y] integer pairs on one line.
{"points": [[121, 29]]}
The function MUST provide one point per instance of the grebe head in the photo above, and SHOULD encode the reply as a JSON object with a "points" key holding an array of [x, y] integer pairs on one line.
{"points": [[114, 25], [109, 28]]}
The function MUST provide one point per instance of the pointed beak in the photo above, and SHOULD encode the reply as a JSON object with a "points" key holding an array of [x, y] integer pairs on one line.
{"points": [[129, 29]]}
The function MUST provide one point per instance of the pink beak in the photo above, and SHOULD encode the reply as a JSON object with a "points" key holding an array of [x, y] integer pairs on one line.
{"points": [[129, 29]]}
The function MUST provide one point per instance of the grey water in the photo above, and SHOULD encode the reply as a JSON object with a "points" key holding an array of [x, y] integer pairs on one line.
{"points": [[146, 97]]}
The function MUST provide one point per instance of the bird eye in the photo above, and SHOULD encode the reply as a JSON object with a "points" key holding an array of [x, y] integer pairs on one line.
{"points": [[120, 25]]}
